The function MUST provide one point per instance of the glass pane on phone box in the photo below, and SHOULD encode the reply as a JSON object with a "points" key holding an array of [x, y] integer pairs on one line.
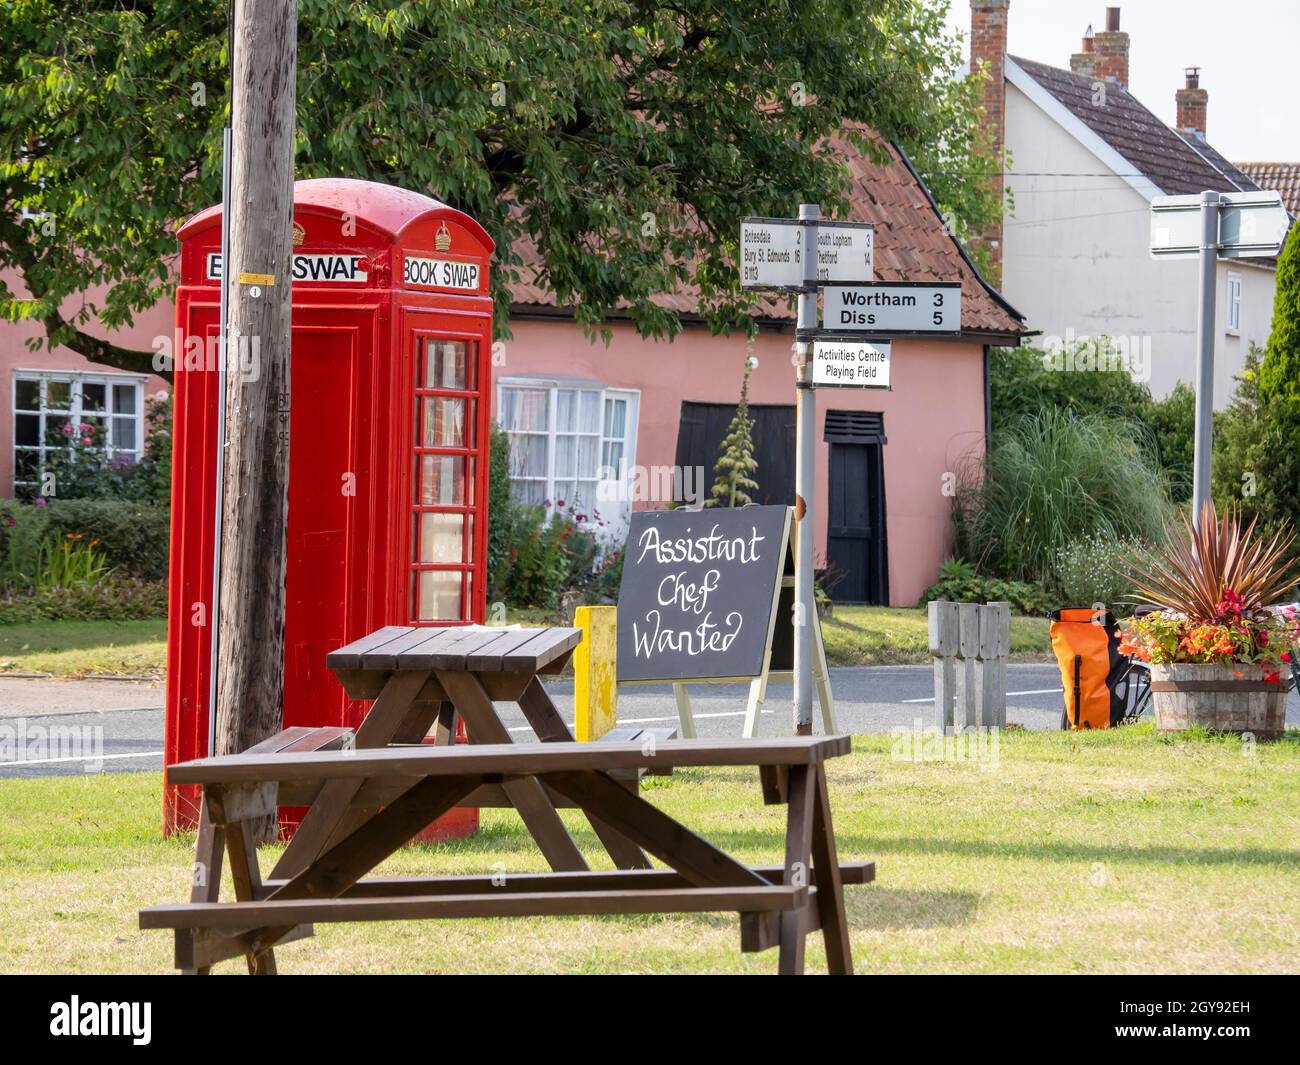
{"points": [[437, 596], [444, 422], [440, 537], [445, 364], [442, 480], [27, 395]]}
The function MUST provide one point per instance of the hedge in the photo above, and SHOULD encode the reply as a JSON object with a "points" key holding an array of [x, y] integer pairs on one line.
{"points": [[132, 536]]}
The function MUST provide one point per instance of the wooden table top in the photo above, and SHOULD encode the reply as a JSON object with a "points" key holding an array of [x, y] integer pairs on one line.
{"points": [[505, 758], [471, 648]]}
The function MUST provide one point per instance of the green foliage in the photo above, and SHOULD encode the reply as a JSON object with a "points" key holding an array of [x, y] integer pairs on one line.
{"points": [[1052, 479], [1280, 374], [1023, 382], [959, 582], [1093, 570], [133, 537], [110, 598], [69, 563], [500, 515], [644, 130], [736, 464], [539, 560], [1173, 422], [1239, 432]]}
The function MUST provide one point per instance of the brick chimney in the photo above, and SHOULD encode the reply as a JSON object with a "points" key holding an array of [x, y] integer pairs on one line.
{"points": [[1110, 50], [988, 49], [1192, 102], [1082, 61]]}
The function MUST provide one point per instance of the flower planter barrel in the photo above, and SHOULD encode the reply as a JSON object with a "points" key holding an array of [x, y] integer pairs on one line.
{"points": [[1233, 698]]}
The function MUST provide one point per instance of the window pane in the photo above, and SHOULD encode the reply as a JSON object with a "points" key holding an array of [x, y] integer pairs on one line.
{"points": [[590, 422], [437, 596], [528, 456], [27, 395], [566, 452], [93, 397], [124, 399], [440, 537], [58, 395], [588, 449], [564, 493], [531, 493], [58, 429], [27, 428], [124, 433], [615, 416], [26, 465], [441, 480], [612, 460], [446, 364], [524, 408], [444, 422], [566, 410]]}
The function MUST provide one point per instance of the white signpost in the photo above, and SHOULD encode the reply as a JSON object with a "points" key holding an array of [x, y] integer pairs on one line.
{"points": [[1212, 226], [851, 363], [893, 308], [772, 252]]}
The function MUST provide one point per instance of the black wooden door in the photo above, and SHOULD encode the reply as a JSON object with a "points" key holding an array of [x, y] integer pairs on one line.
{"points": [[699, 442], [856, 553]]}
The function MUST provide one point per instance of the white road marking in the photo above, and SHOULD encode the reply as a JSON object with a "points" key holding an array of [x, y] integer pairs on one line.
{"points": [[1035, 691], [87, 758]]}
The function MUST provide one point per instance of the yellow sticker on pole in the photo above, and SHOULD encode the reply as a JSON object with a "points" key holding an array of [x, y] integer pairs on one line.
{"points": [[264, 280]]}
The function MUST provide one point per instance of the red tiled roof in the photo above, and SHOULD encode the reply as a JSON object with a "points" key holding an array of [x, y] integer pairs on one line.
{"points": [[912, 244], [1284, 177]]}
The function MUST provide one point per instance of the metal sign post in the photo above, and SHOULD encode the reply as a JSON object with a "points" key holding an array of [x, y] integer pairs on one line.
{"points": [[1209, 227], [805, 610]]}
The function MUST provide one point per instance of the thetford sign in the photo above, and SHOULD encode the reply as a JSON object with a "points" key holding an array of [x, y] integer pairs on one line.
{"points": [[697, 593], [310, 269], [772, 250], [440, 273]]}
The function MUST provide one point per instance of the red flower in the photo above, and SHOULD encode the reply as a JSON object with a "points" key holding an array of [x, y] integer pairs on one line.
{"points": [[1286, 656]]}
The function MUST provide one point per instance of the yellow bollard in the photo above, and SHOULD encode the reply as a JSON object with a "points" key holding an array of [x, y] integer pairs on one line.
{"points": [[595, 693]]}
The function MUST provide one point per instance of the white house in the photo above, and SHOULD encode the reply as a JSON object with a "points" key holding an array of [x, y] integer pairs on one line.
{"points": [[1086, 159]]}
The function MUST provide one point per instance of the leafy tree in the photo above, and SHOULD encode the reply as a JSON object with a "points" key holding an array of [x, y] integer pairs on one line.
{"points": [[1280, 374], [1173, 421], [1023, 382], [624, 139], [736, 464]]}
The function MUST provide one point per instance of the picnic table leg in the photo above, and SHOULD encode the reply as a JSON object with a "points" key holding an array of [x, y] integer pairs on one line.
{"points": [[798, 852], [527, 796], [248, 882], [209, 846], [830, 889], [546, 721]]}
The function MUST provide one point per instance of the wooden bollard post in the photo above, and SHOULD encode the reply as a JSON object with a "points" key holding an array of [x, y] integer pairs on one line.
{"points": [[967, 710], [990, 667], [944, 639]]}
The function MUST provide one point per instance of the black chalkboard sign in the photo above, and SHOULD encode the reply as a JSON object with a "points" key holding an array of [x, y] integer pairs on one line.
{"points": [[697, 593]]}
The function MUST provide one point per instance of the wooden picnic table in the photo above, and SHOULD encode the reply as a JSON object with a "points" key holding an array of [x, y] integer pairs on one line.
{"points": [[393, 792]]}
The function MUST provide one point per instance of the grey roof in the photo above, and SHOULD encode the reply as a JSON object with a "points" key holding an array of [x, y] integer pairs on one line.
{"points": [[1174, 163]]}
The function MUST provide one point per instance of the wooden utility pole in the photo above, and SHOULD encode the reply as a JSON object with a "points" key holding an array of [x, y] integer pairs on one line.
{"points": [[255, 497]]}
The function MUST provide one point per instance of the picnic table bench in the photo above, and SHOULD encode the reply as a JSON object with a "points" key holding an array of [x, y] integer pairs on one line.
{"points": [[403, 788]]}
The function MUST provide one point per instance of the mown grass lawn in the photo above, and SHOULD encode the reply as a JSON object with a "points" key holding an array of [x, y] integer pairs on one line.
{"points": [[886, 635], [81, 648], [856, 636], [1103, 852]]}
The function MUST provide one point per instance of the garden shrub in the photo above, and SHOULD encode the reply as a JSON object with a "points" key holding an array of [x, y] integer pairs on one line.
{"points": [[501, 514], [1050, 480], [960, 582], [1092, 570], [112, 598]]}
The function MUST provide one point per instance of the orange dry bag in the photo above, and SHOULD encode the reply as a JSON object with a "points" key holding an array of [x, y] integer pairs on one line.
{"points": [[1086, 643]]}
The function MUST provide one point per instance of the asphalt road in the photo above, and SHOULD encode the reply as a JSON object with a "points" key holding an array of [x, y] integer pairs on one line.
{"points": [[119, 726]]}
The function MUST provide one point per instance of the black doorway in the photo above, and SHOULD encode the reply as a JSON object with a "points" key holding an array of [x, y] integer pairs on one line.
{"points": [[699, 442], [856, 542]]}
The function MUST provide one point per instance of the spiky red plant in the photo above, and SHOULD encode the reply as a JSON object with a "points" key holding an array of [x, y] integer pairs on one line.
{"points": [[1203, 567]]}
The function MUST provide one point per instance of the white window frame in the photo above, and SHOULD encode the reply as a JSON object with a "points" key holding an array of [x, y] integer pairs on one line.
{"points": [[75, 379], [553, 387], [1232, 315]]}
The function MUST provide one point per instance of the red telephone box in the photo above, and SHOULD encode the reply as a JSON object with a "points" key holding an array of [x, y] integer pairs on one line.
{"points": [[388, 426]]}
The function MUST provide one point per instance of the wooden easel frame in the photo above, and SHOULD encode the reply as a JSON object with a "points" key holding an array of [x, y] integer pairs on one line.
{"points": [[758, 684]]}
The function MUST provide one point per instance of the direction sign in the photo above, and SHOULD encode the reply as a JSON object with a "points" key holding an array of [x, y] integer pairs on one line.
{"points": [[851, 363], [1251, 224], [894, 308], [772, 250]]}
